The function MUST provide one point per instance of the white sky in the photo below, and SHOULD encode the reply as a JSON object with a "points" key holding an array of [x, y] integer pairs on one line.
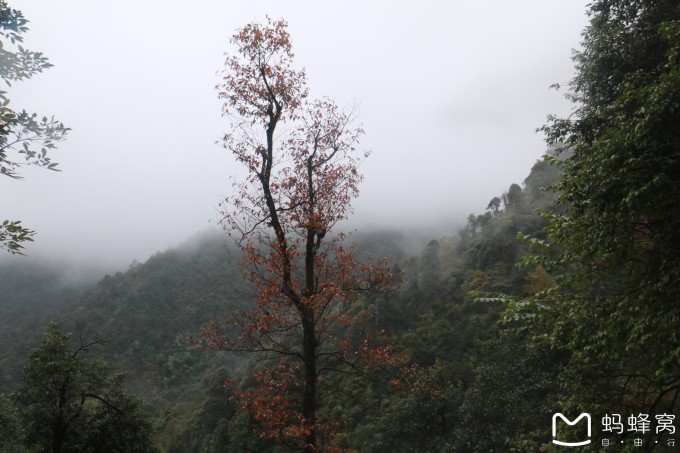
{"points": [[450, 94]]}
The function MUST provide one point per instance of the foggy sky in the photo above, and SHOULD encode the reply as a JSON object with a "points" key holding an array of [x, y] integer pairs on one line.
{"points": [[449, 93]]}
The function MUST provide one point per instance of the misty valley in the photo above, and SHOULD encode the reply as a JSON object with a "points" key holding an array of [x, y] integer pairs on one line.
{"points": [[148, 317], [547, 318]]}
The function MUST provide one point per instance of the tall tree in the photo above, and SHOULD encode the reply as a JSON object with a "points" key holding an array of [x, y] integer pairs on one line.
{"points": [[24, 137], [300, 183], [615, 246], [67, 403]]}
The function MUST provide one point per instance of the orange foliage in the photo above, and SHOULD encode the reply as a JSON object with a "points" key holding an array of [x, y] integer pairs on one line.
{"points": [[307, 279]]}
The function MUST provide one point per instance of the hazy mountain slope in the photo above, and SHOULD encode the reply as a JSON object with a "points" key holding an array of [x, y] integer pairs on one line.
{"points": [[32, 291], [148, 314]]}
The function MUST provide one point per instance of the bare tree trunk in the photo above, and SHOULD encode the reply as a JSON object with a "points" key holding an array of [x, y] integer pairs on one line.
{"points": [[309, 393]]}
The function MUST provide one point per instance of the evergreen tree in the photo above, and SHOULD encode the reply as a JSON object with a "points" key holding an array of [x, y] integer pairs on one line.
{"points": [[69, 404]]}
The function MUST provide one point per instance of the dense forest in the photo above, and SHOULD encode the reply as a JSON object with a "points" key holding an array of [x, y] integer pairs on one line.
{"points": [[160, 305], [557, 298]]}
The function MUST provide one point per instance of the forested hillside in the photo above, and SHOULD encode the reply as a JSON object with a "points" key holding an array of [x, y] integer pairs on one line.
{"points": [[33, 293], [148, 316], [556, 301]]}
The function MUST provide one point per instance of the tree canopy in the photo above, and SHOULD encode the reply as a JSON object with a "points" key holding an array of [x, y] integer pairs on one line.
{"points": [[614, 245], [66, 403]]}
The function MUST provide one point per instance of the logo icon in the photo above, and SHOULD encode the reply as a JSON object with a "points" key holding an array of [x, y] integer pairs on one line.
{"points": [[570, 423]]}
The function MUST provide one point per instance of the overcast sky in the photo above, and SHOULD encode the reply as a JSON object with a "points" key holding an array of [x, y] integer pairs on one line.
{"points": [[449, 93]]}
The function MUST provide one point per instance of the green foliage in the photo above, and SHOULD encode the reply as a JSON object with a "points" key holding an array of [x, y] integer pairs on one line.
{"points": [[20, 132], [476, 390], [147, 314], [11, 431], [429, 277], [12, 234], [160, 303], [213, 426], [67, 403], [424, 419], [25, 138], [23, 63], [591, 319], [513, 395], [33, 293], [614, 247]]}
